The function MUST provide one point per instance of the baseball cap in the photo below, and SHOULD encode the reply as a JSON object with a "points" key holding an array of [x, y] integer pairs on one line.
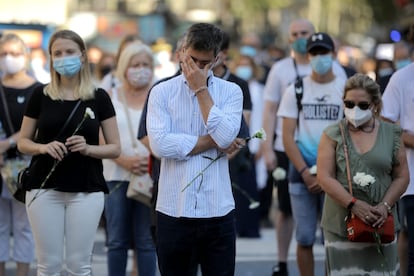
{"points": [[320, 40]]}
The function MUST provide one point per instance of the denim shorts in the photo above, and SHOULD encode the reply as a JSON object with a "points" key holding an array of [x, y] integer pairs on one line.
{"points": [[306, 210]]}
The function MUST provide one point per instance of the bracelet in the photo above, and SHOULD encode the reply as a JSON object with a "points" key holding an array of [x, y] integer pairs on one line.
{"points": [[303, 170], [351, 204], [389, 208], [198, 90]]}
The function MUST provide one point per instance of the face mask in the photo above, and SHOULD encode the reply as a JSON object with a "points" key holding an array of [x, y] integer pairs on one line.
{"points": [[356, 116], [12, 65], [299, 45], [244, 71], [105, 70], [139, 77], [67, 66], [402, 63], [321, 63], [385, 72]]}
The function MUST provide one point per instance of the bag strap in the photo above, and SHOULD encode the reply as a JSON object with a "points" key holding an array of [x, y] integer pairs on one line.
{"points": [[348, 169], [68, 119], [298, 89], [128, 116], [6, 110]]}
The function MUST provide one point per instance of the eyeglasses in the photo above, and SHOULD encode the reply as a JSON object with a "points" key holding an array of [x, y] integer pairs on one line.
{"points": [[361, 105]]}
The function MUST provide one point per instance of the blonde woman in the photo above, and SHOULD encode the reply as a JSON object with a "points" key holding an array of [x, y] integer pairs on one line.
{"points": [[65, 205], [17, 87], [128, 221]]}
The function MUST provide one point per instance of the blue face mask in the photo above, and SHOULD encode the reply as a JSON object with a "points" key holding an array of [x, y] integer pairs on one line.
{"points": [[321, 63], [245, 72], [402, 63], [67, 66], [299, 45]]}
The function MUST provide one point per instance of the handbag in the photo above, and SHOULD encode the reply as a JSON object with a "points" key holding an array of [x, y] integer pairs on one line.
{"points": [[140, 187], [356, 229], [10, 173]]}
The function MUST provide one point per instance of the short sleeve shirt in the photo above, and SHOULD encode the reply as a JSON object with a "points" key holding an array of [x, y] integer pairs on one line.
{"points": [[76, 172]]}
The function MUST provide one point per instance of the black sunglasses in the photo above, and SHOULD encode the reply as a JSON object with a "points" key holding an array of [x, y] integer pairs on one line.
{"points": [[361, 105]]}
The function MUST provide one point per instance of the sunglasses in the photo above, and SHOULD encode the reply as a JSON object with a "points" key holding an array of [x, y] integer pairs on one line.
{"points": [[361, 105]]}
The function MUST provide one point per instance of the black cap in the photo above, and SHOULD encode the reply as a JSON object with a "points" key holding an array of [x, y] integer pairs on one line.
{"points": [[320, 40]]}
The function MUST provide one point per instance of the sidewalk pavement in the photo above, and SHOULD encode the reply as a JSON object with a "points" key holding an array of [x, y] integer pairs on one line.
{"points": [[255, 256]]}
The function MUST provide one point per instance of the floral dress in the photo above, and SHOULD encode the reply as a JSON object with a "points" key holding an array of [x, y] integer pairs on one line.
{"points": [[355, 258]]}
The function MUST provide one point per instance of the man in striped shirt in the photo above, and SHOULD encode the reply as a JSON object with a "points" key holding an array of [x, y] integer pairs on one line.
{"points": [[193, 121]]}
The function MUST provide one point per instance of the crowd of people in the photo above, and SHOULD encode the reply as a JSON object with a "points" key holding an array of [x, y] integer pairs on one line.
{"points": [[189, 125]]}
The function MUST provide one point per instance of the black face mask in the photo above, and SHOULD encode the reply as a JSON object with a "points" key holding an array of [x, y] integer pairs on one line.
{"points": [[104, 70]]}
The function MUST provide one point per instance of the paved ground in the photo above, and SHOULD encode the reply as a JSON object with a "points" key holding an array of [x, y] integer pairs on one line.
{"points": [[255, 257]]}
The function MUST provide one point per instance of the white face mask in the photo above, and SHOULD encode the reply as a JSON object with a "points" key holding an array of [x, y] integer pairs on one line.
{"points": [[139, 77], [356, 116], [12, 65]]}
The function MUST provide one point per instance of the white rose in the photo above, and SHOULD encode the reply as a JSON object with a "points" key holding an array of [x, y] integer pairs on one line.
{"points": [[313, 170], [279, 174], [363, 179]]}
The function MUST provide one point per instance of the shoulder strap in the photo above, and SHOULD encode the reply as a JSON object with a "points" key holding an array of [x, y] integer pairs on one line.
{"points": [[348, 169], [6, 110], [128, 116], [298, 89], [68, 119]]}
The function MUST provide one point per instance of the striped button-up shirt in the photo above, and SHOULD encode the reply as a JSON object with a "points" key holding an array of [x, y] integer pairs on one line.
{"points": [[174, 124]]}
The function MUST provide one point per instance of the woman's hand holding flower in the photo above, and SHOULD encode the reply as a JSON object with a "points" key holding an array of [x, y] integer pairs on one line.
{"points": [[383, 211], [77, 143], [55, 149], [367, 213]]}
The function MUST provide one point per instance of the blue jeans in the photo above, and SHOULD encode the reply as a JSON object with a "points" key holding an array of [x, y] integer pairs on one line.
{"points": [[183, 243], [408, 205], [128, 225], [306, 209]]}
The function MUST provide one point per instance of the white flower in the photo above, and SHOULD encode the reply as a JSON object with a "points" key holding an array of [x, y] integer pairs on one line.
{"points": [[261, 134], [363, 179], [279, 174], [254, 205], [313, 170], [89, 113]]}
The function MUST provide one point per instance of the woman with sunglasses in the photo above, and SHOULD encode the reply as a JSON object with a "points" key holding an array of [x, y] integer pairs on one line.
{"points": [[375, 148]]}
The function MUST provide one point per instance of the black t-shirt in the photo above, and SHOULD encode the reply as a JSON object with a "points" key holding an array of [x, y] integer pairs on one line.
{"points": [[16, 99], [76, 172]]}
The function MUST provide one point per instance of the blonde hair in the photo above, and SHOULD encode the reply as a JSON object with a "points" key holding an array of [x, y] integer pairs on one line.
{"points": [[131, 50], [362, 81], [85, 89], [11, 37]]}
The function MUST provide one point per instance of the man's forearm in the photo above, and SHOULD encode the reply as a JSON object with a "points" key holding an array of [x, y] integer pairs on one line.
{"points": [[203, 143]]}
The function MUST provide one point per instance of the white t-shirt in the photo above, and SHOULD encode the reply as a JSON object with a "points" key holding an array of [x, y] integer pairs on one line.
{"points": [[322, 106], [111, 170], [398, 105], [256, 116], [281, 75]]}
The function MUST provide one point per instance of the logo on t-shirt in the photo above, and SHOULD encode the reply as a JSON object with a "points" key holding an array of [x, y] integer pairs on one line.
{"points": [[323, 112]]}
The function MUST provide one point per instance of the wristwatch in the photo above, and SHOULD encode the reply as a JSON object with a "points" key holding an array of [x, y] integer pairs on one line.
{"points": [[12, 142]]}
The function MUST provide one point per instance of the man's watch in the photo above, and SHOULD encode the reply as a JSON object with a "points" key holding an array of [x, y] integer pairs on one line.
{"points": [[12, 142]]}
